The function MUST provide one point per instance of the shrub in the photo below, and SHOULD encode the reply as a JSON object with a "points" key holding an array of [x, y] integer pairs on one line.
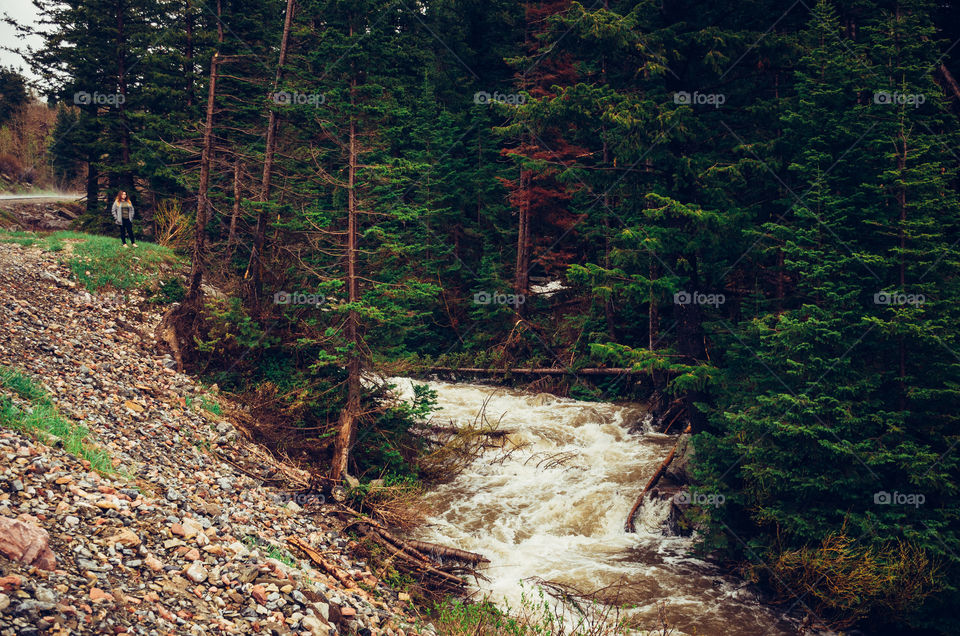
{"points": [[10, 166], [174, 228], [845, 583]]}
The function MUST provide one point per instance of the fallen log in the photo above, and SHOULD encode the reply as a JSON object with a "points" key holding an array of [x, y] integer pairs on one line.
{"points": [[950, 81], [541, 371], [629, 527], [331, 569], [421, 549], [443, 552]]}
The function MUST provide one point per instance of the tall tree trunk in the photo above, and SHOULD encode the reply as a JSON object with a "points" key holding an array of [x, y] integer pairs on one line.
{"points": [[902, 236], [608, 310], [126, 175], [254, 266], [521, 280], [178, 326], [203, 199], [232, 236], [349, 415], [690, 346], [653, 311], [93, 183], [188, 67]]}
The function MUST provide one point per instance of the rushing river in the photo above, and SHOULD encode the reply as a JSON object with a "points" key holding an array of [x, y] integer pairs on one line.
{"points": [[554, 509]]}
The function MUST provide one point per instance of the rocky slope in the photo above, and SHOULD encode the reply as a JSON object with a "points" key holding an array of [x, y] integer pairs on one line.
{"points": [[179, 539], [42, 214]]}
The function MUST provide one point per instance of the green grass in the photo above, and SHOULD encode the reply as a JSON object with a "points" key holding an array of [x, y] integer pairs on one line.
{"points": [[209, 405], [43, 420], [102, 261], [25, 239], [22, 385], [272, 551], [536, 616]]}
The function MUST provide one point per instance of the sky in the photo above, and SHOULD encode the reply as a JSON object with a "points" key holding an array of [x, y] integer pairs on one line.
{"points": [[22, 11]]}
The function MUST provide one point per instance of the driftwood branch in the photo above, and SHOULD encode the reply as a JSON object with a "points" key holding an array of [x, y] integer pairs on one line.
{"points": [[419, 559], [328, 567]]}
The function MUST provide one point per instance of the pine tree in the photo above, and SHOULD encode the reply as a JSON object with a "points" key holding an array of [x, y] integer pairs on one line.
{"points": [[13, 92], [828, 402]]}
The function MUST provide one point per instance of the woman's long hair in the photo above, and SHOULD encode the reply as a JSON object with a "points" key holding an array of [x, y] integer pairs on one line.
{"points": [[117, 200]]}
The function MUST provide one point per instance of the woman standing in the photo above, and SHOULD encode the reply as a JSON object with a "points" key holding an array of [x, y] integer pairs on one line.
{"points": [[123, 215]]}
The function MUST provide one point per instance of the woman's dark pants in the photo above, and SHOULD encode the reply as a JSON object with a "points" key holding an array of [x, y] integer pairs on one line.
{"points": [[126, 227]]}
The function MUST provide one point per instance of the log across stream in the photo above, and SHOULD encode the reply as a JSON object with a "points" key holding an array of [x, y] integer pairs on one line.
{"points": [[554, 510]]}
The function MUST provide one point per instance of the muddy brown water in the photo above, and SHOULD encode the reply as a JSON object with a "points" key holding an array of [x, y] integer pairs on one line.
{"points": [[554, 511]]}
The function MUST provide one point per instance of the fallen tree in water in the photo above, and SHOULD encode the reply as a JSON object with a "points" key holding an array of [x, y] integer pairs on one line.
{"points": [[542, 370], [629, 527]]}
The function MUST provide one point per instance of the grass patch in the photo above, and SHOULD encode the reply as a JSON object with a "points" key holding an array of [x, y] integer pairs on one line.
{"points": [[24, 239], [43, 420], [536, 616], [207, 404], [102, 261], [269, 550], [210, 405], [170, 291]]}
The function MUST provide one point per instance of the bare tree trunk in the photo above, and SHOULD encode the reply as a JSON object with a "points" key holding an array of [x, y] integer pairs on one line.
{"points": [[902, 204], [232, 236], [348, 417], [653, 312], [93, 184], [179, 325], [521, 280], [629, 527], [203, 199], [188, 67], [608, 309], [126, 176], [254, 268], [950, 80]]}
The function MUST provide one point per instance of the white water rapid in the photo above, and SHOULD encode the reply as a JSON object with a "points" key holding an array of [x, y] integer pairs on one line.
{"points": [[554, 510]]}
